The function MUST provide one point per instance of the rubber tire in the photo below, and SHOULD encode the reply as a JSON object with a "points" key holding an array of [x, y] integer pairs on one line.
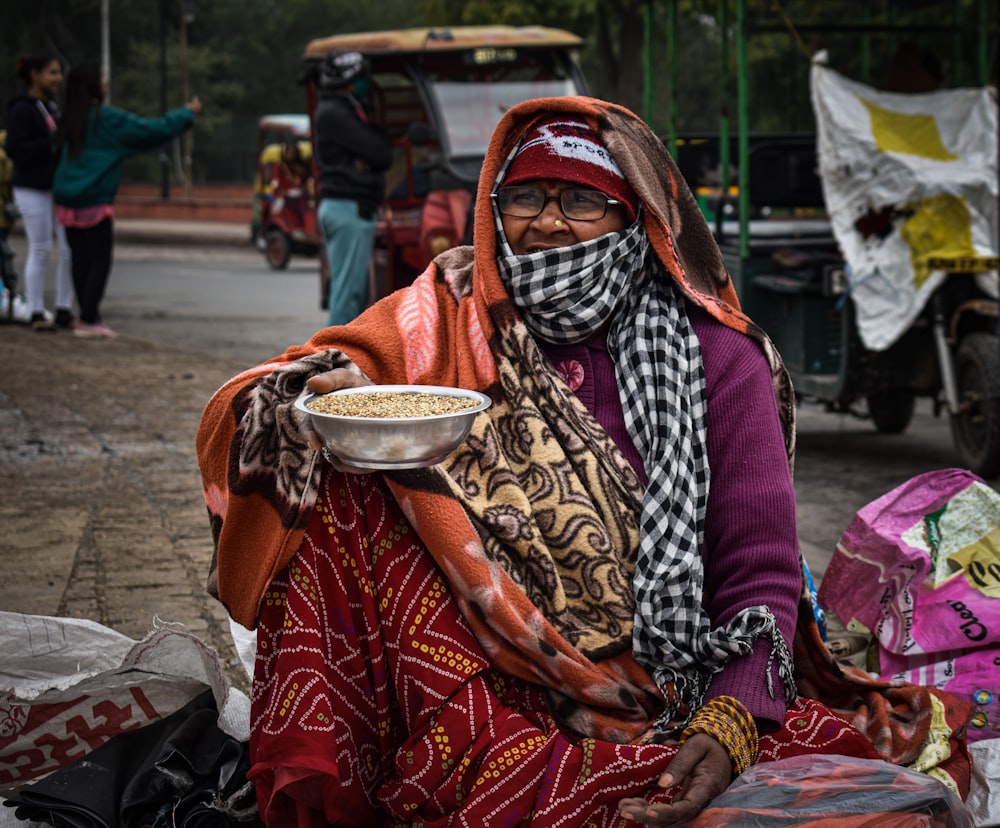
{"points": [[891, 410], [277, 249], [976, 429]]}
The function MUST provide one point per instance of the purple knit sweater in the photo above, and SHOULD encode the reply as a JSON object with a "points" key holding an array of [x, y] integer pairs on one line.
{"points": [[751, 540]]}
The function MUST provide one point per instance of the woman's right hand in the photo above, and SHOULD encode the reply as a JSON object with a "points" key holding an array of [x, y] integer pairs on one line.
{"points": [[703, 770], [323, 384]]}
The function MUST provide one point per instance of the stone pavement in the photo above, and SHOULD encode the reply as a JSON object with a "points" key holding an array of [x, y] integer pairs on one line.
{"points": [[102, 514]]}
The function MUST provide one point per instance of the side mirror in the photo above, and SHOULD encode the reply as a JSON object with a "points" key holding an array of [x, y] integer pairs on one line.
{"points": [[421, 134]]}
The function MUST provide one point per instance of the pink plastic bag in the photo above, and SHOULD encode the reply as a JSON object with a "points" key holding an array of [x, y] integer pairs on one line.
{"points": [[920, 568]]}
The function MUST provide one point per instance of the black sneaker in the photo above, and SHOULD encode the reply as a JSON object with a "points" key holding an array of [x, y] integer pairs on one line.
{"points": [[64, 318], [40, 323]]}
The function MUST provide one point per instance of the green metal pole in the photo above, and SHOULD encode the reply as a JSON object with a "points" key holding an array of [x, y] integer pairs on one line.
{"points": [[981, 63], [893, 41], [674, 75], [723, 111], [647, 61], [981, 69], [866, 44], [956, 42], [743, 122]]}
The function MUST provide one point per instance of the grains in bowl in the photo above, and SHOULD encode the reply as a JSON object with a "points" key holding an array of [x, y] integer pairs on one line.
{"points": [[389, 404]]}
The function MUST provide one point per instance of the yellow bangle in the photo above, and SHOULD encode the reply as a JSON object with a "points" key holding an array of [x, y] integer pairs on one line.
{"points": [[727, 721]]}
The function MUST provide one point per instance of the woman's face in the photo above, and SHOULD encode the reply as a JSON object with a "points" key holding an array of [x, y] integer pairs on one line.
{"points": [[551, 228], [46, 81]]}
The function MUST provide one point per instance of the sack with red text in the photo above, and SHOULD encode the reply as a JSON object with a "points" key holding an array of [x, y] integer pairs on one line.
{"points": [[920, 568], [69, 687]]}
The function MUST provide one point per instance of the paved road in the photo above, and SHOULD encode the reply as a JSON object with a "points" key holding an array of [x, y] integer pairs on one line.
{"points": [[219, 301], [102, 514]]}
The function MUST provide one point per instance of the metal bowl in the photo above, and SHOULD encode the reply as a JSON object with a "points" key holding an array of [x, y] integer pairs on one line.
{"points": [[395, 442]]}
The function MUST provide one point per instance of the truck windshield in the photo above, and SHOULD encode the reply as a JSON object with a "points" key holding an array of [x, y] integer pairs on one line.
{"points": [[470, 111]]}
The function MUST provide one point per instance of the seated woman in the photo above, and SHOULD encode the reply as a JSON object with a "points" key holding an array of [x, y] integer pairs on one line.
{"points": [[587, 611]]}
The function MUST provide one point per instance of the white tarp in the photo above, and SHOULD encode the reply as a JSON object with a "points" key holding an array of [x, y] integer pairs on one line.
{"points": [[927, 163]]}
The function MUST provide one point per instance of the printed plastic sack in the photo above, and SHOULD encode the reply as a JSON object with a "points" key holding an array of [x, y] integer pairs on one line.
{"points": [[920, 568]]}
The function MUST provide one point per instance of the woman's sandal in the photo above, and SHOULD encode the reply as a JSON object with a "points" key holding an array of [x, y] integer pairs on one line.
{"points": [[41, 323]]}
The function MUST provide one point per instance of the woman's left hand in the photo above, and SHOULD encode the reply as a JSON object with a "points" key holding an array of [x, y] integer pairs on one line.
{"points": [[703, 770]]}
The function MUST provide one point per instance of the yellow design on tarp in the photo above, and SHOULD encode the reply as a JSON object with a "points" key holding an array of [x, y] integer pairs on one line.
{"points": [[980, 562], [907, 134], [936, 749], [936, 227]]}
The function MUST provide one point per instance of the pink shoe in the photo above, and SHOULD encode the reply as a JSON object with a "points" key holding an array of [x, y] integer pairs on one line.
{"points": [[92, 331]]}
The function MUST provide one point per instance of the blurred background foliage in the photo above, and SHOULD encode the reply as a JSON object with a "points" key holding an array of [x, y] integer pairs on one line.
{"points": [[243, 56]]}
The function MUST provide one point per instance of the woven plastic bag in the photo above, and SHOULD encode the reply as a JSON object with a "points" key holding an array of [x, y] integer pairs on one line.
{"points": [[920, 568]]}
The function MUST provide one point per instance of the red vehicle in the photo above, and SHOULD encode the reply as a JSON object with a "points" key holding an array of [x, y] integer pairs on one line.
{"points": [[284, 220], [439, 93]]}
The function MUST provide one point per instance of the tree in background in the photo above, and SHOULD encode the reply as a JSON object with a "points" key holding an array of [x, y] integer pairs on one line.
{"points": [[244, 56]]}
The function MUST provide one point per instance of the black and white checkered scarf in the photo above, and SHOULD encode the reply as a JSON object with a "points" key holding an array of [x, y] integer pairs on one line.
{"points": [[567, 294]]}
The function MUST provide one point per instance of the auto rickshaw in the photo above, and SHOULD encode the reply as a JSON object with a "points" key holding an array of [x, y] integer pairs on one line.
{"points": [[284, 218], [795, 279], [439, 93]]}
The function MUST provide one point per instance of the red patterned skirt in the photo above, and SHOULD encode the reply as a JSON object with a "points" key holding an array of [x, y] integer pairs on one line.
{"points": [[374, 705]]}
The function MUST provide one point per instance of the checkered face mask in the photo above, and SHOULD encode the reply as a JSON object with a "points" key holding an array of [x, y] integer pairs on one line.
{"points": [[566, 294]]}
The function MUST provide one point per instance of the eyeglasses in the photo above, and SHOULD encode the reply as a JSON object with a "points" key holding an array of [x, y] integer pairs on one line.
{"points": [[576, 204]]}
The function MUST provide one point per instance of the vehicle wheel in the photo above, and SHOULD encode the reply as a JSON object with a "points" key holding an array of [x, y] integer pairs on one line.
{"points": [[891, 410], [976, 428], [278, 249]]}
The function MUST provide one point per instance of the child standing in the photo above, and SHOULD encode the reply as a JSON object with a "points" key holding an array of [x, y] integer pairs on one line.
{"points": [[91, 143]]}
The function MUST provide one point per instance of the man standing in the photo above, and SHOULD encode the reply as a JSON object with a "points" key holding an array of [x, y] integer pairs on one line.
{"points": [[352, 155]]}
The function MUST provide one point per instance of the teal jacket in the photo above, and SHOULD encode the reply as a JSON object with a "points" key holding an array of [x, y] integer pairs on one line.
{"points": [[113, 135]]}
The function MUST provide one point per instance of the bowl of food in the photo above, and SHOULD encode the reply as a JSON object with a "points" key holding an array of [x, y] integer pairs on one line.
{"points": [[393, 426]]}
